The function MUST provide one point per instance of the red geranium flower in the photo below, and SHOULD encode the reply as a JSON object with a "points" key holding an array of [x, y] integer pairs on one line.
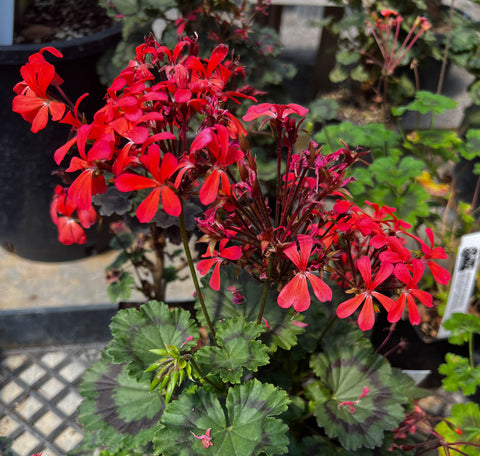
{"points": [[214, 258], [409, 293], [161, 173], [367, 314], [295, 293]]}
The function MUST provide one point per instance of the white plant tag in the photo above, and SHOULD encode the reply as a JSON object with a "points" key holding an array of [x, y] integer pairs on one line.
{"points": [[463, 280]]}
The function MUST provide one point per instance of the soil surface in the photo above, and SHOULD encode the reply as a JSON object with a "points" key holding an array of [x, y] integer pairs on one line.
{"points": [[55, 20]]}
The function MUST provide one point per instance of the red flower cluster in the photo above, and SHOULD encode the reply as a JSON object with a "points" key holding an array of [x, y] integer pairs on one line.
{"points": [[166, 134]]}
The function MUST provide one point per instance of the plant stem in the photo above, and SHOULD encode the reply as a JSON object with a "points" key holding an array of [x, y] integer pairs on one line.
{"points": [[193, 273], [441, 78], [266, 286], [199, 372], [329, 326], [158, 244], [470, 351]]}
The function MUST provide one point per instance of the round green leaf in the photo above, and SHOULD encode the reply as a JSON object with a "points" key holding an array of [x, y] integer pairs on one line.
{"points": [[244, 426], [357, 398], [116, 406], [136, 332], [237, 350]]}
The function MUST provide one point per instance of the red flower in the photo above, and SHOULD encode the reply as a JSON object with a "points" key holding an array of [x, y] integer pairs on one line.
{"points": [[70, 228], [274, 111], [367, 314], [222, 154], [440, 274], [160, 172], [409, 293], [32, 100], [215, 259], [295, 293], [205, 438]]}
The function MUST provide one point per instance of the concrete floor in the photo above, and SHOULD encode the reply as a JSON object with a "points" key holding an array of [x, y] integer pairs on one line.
{"points": [[30, 284]]}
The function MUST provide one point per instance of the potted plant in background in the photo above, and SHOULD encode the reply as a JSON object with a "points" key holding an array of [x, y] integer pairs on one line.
{"points": [[26, 192], [270, 360]]}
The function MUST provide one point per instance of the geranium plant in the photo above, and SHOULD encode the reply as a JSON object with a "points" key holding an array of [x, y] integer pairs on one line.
{"points": [[275, 357]]}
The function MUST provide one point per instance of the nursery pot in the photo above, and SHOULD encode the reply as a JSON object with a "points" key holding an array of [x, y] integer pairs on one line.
{"points": [[26, 178]]}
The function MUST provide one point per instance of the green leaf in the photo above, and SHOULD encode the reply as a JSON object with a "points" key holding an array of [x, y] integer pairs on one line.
{"points": [[356, 398], [121, 289], [122, 241], [472, 146], [237, 349], [474, 92], [459, 374], [323, 109], [239, 296], [136, 332], [465, 418], [461, 327], [375, 137], [116, 406], [244, 426], [338, 74], [463, 39], [445, 143], [359, 74], [426, 102], [346, 58], [5, 446]]}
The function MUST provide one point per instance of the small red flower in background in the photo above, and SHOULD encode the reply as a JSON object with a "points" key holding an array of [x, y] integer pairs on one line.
{"points": [[409, 293], [295, 293], [367, 314], [205, 438], [274, 111]]}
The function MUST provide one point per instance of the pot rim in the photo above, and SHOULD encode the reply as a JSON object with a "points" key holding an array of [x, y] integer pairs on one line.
{"points": [[71, 49]]}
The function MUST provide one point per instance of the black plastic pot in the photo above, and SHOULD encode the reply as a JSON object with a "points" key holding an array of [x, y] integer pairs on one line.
{"points": [[26, 181]]}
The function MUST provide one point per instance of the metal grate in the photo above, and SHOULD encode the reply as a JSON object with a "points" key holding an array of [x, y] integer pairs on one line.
{"points": [[39, 397]]}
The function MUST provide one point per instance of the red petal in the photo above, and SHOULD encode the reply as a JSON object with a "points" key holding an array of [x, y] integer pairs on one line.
{"points": [[149, 206], [183, 96], [80, 190], [209, 189], [203, 266], [40, 119], [346, 308], [423, 296], [62, 151], [440, 274], [365, 268], [386, 302], [396, 311], [366, 318], [170, 202], [168, 166], [291, 251], [217, 56], [204, 138], [321, 290], [128, 182], [231, 253], [413, 314], [384, 273], [215, 279], [295, 293]]}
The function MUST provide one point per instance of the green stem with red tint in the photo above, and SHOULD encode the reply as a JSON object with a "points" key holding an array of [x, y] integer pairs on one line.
{"points": [[193, 273]]}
